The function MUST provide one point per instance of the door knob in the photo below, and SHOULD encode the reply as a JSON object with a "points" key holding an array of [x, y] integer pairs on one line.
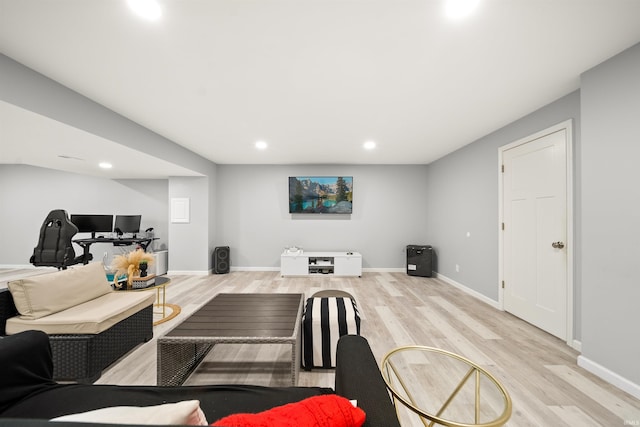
{"points": [[557, 245]]}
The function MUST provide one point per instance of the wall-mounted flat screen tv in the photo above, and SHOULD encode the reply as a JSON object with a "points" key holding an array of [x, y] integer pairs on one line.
{"points": [[321, 194]]}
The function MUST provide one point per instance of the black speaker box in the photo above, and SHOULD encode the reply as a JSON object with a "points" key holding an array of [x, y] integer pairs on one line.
{"points": [[221, 261]]}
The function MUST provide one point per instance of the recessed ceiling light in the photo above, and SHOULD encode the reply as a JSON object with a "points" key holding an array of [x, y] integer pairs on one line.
{"points": [[105, 165], [147, 9], [261, 145], [458, 9], [369, 145]]}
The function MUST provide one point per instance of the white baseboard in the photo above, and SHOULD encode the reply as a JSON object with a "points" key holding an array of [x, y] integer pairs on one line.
{"points": [[364, 270], [188, 273], [589, 365], [609, 376], [200, 273], [175, 272], [467, 290], [255, 268], [576, 345], [17, 266]]}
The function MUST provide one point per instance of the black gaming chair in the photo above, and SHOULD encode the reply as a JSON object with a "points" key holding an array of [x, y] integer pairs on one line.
{"points": [[54, 245]]}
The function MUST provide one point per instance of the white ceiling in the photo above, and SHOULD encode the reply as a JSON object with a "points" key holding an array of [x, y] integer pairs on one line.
{"points": [[313, 78]]}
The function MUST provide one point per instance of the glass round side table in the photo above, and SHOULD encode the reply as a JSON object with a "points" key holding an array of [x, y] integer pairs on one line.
{"points": [[160, 286], [444, 388]]}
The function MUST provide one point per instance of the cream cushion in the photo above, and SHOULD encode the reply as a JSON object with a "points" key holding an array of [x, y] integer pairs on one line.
{"points": [[181, 413], [45, 294], [91, 317]]}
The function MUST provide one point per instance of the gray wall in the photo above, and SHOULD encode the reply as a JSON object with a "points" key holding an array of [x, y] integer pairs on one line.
{"points": [[191, 238], [610, 210], [462, 189], [32, 91], [254, 220], [28, 193]]}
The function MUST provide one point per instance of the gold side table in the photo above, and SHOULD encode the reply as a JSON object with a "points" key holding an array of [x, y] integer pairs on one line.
{"points": [[444, 388], [160, 286]]}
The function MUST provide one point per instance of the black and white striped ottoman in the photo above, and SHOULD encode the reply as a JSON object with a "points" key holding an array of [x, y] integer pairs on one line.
{"points": [[326, 319]]}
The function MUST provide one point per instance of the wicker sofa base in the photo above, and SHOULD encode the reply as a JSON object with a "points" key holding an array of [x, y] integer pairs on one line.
{"points": [[83, 357]]}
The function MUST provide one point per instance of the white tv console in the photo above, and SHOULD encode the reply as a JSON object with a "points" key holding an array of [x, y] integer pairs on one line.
{"points": [[311, 263]]}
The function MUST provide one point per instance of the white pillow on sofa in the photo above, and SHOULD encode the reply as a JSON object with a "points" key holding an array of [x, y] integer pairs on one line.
{"points": [[44, 294], [181, 413]]}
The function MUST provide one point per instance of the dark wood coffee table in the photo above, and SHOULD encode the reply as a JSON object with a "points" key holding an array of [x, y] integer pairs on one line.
{"points": [[230, 318]]}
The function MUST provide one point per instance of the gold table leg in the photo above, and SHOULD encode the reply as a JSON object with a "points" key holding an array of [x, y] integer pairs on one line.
{"points": [[161, 300]]}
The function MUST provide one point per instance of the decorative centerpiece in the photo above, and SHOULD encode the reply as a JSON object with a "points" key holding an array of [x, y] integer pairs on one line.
{"points": [[129, 264]]}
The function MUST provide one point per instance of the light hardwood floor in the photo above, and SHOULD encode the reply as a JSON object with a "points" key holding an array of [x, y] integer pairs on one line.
{"points": [[538, 370]]}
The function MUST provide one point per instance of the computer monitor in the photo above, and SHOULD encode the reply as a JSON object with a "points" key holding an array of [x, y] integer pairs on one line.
{"points": [[93, 223], [127, 223]]}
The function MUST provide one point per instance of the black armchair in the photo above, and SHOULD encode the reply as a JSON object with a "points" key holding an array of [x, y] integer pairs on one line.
{"points": [[55, 248]]}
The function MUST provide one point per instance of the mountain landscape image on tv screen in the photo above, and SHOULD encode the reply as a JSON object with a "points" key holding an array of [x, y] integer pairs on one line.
{"points": [[321, 194]]}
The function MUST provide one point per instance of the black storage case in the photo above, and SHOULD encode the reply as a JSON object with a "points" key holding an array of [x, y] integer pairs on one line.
{"points": [[419, 260]]}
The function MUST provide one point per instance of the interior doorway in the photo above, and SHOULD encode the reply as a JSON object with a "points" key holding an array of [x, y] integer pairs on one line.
{"points": [[536, 238]]}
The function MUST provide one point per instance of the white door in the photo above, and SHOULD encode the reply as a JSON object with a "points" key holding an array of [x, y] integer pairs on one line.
{"points": [[535, 232]]}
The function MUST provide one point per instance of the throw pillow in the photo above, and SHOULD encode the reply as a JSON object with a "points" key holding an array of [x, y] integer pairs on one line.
{"points": [[318, 411], [44, 294], [181, 413]]}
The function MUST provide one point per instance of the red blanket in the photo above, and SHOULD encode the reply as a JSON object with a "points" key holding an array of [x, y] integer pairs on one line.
{"points": [[319, 411]]}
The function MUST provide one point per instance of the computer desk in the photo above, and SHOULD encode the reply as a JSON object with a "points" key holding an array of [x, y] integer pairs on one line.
{"points": [[144, 242]]}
